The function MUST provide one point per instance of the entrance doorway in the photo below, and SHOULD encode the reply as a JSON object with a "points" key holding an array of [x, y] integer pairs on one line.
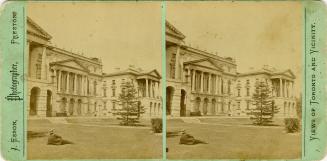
{"points": [[34, 99], [182, 104], [169, 99], [49, 103]]}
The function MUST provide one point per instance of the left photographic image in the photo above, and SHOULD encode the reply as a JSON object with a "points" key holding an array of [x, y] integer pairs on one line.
{"points": [[94, 80]]}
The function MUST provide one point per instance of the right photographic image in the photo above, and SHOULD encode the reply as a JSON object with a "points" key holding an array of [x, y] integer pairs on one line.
{"points": [[234, 80]]}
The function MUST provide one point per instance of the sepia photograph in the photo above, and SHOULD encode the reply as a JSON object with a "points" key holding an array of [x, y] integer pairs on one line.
{"points": [[94, 80], [234, 78]]}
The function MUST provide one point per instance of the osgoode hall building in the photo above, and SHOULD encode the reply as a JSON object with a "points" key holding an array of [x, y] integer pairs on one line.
{"points": [[205, 83], [63, 83]]}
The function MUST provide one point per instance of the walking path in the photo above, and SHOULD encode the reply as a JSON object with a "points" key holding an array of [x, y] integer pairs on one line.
{"points": [[196, 120], [63, 120]]}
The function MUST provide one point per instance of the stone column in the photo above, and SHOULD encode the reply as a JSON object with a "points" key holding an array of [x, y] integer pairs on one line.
{"points": [[177, 63], [209, 84], [189, 75], [85, 85], [193, 81], [75, 84], [280, 87], [284, 86], [81, 85], [288, 89], [67, 83], [55, 78], [59, 81], [154, 89], [222, 86], [146, 88], [201, 89], [150, 88], [158, 94], [153, 85], [217, 85], [43, 64]]}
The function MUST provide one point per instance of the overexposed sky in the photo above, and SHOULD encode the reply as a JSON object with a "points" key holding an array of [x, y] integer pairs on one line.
{"points": [[120, 33], [123, 33], [254, 33]]}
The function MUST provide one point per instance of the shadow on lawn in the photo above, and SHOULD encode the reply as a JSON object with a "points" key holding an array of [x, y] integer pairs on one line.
{"points": [[33, 134], [276, 125], [171, 134]]}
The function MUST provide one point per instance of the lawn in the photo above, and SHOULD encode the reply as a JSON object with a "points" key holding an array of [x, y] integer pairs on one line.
{"points": [[233, 142], [92, 142]]}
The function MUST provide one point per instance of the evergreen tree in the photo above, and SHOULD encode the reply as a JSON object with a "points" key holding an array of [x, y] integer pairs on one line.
{"points": [[264, 105], [131, 108]]}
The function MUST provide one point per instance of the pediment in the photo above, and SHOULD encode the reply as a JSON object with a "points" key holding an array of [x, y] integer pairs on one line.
{"points": [[205, 63], [286, 73], [154, 73], [71, 64], [289, 73], [35, 29], [170, 29]]}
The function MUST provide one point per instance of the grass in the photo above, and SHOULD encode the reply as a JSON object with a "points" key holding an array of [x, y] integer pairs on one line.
{"points": [[92, 142], [232, 142]]}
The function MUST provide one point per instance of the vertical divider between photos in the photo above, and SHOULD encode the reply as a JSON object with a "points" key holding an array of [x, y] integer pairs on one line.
{"points": [[163, 67], [25, 58], [304, 89]]}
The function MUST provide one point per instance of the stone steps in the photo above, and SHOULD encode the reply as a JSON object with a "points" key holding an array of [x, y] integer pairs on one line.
{"points": [[57, 120], [191, 120]]}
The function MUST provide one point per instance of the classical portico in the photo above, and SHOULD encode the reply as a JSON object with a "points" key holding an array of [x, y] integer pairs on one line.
{"points": [[284, 94], [149, 92], [209, 87], [72, 84]]}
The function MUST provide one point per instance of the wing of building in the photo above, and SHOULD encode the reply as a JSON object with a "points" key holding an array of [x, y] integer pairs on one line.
{"points": [[202, 83], [63, 83]]}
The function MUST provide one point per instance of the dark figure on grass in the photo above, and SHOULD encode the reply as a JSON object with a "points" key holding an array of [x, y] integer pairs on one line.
{"points": [[55, 139], [188, 139]]}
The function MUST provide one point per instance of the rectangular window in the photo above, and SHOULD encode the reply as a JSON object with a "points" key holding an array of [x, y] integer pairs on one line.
{"points": [[247, 91], [239, 92], [238, 105], [95, 88], [247, 105], [113, 82], [113, 92], [113, 105], [38, 71], [104, 92]]}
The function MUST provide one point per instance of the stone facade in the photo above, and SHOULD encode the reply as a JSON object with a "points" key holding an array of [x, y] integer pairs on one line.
{"points": [[63, 83], [281, 85], [198, 81], [147, 84]]}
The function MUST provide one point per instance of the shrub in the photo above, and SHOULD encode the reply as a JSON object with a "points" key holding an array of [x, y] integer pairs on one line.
{"points": [[156, 124], [292, 124], [197, 113]]}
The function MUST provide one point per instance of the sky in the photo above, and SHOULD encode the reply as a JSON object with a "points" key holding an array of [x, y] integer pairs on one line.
{"points": [[254, 33], [124, 33], [119, 33]]}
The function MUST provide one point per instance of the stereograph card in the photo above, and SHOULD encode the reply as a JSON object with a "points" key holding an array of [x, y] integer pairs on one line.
{"points": [[163, 80]]}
